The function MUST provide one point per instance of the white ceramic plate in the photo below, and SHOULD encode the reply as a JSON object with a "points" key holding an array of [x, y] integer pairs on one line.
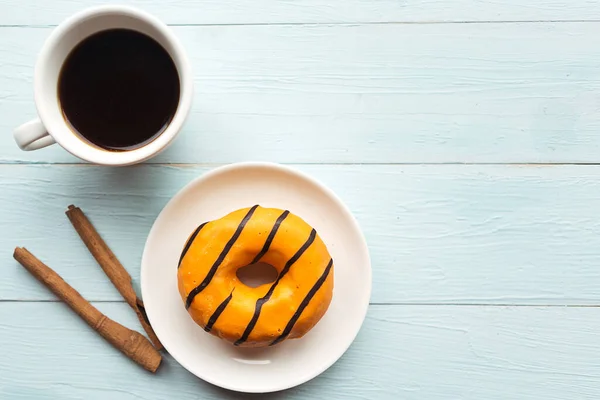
{"points": [[293, 361]]}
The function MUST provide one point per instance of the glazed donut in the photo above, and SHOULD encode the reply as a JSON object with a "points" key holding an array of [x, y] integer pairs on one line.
{"points": [[268, 314]]}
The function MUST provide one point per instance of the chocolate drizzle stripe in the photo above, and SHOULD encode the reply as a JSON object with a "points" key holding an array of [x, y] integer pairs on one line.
{"points": [[304, 304], [213, 318], [260, 302], [271, 237], [189, 243], [220, 259]]}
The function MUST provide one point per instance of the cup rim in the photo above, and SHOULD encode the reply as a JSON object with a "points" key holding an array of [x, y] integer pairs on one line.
{"points": [[59, 128]]}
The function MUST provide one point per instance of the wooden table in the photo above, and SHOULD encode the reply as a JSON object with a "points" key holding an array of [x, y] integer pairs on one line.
{"points": [[463, 135]]}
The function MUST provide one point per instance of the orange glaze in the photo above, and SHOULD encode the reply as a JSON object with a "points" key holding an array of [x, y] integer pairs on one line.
{"points": [[255, 317]]}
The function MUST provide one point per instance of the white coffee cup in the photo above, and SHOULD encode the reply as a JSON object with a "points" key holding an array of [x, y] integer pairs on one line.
{"points": [[51, 127]]}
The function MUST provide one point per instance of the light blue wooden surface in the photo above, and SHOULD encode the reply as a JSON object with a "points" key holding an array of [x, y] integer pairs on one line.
{"points": [[454, 130], [364, 93]]}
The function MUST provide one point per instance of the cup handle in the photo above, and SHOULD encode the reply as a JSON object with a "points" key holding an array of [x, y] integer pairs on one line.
{"points": [[32, 136]]}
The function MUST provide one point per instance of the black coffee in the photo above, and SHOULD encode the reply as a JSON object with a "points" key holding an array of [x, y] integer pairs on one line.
{"points": [[119, 89]]}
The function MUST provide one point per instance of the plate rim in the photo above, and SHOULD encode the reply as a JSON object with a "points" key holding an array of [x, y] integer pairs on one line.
{"points": [[227, 168]]}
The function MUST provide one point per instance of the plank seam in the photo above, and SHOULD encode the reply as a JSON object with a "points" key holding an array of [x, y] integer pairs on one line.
{"points": [[350, 23], [189, 165], [405, 304]]}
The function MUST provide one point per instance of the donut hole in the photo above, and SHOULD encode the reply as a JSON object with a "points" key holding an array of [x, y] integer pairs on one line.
{"points": [[257, 274]]}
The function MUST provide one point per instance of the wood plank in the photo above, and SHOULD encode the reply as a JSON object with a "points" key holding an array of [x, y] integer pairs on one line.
{"points": [[418, 352], [40, 12], [437, 234], [366, 93]]}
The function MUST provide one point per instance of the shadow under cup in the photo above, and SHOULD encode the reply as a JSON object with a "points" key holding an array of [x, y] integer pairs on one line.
{"points": [[57, 111]]}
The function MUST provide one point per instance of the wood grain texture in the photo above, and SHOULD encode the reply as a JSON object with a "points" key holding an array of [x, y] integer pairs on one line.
{"points": [[415, 352], [473, 93], [42, 12], [437, 234]]}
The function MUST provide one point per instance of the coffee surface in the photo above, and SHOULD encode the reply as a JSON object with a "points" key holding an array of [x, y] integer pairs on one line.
{"points": [[119, 89]]}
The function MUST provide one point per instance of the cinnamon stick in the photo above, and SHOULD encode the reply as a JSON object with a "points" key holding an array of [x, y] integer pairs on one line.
{"points": [[131, 343], [112, 267]]}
